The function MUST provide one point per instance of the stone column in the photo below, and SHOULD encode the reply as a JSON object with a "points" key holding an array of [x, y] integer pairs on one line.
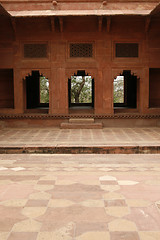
{"points": [[18, 91], [59, 90], [144, 91]]}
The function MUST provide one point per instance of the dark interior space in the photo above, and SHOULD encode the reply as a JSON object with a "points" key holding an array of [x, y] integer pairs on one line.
{"points": [[7, 88], [33, 91], [129, 91], [154, 87]]}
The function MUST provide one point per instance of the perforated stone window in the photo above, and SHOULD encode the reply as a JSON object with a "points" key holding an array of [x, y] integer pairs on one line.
{"points": [[35, 50], [129, 50], [81, 50]]}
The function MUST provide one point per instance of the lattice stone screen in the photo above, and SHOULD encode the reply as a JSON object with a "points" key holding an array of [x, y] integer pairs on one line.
{"points": [[35, 50], [127, 50], [81, 50]]}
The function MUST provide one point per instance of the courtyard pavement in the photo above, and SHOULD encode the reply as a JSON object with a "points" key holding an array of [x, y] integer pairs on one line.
{"points": [[32, 136], [79, 197]]}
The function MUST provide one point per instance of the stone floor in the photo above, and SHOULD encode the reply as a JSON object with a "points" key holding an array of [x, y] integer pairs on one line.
{"points": [[79, 197], [79, 137]]}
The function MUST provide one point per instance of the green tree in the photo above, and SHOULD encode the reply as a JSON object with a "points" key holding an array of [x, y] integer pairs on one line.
{"points": [[44, 90], [81, 89], [119, 89]]}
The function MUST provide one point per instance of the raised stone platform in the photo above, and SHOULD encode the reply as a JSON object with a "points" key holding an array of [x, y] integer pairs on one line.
{"points": [[55, 140], [81, 123]]}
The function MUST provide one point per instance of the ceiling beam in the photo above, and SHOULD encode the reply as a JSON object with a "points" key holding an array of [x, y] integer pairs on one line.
{"points": [[147, 23]]}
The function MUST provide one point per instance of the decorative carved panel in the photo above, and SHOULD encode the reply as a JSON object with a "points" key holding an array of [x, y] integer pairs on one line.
{"points": [[81, 50], [35, 50], [127, 50]]}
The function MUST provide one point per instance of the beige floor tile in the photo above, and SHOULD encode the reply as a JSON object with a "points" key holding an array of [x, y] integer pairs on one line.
{"points": [[137, 203], [70, 169], [37, 203], [33, 212], [111, 188], [117, 211], [112, 196], [4, 235], [153, 182], [123, 169], [40, 195], [64, 233], [60, 203], [53, 235], [48, 177], [115, 203], [94, 236], [107, 177], [156, 169], [5, 182], [105, 169], [14, 203], [43, 187], [124, 235], [53, 169], [122, 225], [87, 169], [149, 235], [142, 169], [93, 203], [22, 236], [30, 182], [27, 226], [89, 182], [127, 182], [65, 182]]}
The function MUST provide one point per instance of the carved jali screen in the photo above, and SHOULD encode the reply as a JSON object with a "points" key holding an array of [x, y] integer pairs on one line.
{"points": [[81, 50], [35, 50], [127, 50]]}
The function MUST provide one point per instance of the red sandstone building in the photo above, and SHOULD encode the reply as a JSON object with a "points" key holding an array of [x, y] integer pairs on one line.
{"points": [[75, 40]]}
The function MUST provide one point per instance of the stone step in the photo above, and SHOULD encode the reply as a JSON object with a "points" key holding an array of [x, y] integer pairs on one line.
{"points": [[69, 125], [81, 120], [82, 149]]}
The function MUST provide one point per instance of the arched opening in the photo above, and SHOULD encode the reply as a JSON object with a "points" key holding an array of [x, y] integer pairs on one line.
{"points": [[81, 90], [125, 90], [37, 91]]}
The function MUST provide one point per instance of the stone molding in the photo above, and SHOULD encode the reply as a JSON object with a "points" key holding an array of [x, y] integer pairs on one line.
{"points": [[50, 116]]}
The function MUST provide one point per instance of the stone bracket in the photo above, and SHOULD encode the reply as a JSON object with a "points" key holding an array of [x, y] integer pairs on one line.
{"points": [[52, 24], [61, 23], [147, 23], [13, 23], [100, 20], [108, 23]]}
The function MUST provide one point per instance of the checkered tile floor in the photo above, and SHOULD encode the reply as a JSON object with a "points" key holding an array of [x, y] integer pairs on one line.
{"points": [[79, 197]]}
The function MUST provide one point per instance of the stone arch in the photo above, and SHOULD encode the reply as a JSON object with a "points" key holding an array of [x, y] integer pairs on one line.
{"points": [[119, 72], [125, 90], [42, 72], [33, 90]]}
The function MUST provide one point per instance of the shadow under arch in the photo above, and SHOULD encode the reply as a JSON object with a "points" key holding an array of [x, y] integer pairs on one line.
{"points": [[126, 92], [36, 90]]}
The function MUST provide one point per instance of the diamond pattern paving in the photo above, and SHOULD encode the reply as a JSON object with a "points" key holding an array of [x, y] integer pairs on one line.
{"points": [[73, 197]]}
